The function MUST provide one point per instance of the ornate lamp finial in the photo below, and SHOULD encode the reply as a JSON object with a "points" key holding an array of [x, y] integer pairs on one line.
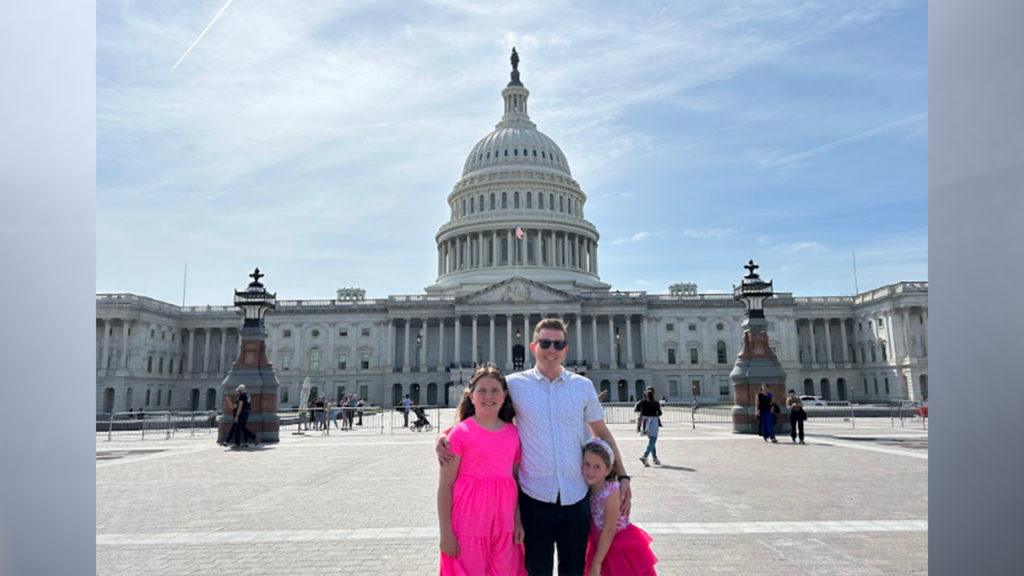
{"points": [[751, 267], [256, 276]]}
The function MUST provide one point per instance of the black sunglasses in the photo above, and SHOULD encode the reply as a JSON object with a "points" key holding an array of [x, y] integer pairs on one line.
{"points": [[559, 344]]}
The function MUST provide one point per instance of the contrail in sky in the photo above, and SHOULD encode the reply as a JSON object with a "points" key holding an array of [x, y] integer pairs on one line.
{"points": [[203, 33]]}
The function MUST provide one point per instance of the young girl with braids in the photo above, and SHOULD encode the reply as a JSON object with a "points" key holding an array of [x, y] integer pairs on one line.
{"points": [[477, 495], [616, 547]]}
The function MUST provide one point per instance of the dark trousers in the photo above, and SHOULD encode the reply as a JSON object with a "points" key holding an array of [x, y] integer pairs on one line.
{"points": [[550, 525], [405, 415], [798, 423], [241, 429]]}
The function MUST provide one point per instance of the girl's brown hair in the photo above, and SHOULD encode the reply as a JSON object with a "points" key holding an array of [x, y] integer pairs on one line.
{"points": [[600, 452], [466, 408]]}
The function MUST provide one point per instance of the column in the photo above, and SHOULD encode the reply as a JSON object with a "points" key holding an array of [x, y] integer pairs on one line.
{"points": [[440, 259], [924, 334], [206, 351], [494, 249], [223, 350], [391, 343], [458, 340], [481, 250], [629, 343], [511, 248], [814, 350], [842, 339], [828, 339], [579, 336], [643, 339], [106, 344], [475, 355], [565, 250], [191, 346], [405, 354], [794, 339], [426, 353], [595, 257], [442, 356], [491, 358], [508, 342], [611, 342], [596, 361], [905, 317], [526, 248], [458, 253], [527, 337]]}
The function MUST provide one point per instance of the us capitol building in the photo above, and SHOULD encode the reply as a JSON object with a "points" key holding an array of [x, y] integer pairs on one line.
{"points": [[493, 284]]}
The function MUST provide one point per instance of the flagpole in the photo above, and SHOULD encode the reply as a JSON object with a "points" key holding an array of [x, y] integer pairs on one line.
{"points": [[856, 288]]}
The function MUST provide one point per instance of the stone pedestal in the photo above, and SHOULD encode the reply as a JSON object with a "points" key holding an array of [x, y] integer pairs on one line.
{"points": [[253, 369], [757, 365]]}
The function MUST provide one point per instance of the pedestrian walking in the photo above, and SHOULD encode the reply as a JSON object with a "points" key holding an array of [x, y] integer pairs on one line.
{"points": [[797, 416], [650, 415], [242, 407], [764, 414]]}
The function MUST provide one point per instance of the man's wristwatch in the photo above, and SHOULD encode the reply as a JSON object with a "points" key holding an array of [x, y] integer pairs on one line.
{"points": [[624, 477]]}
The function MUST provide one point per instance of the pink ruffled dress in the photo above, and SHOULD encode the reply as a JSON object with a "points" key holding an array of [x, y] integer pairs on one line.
{"points": [[484, 502], [630, 553]]}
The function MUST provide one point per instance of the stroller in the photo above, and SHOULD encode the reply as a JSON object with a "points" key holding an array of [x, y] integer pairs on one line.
{"points": [[421, 424]]}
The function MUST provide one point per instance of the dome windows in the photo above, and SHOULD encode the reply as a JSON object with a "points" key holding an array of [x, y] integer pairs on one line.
{"points": [[506, 152], [529, 200], [551, 201], [534, 152], [524, 152], [488, 154], [504, 200], [515, 152], [481, 202], [492, 201], [542, 155], [515, 200], [540, 201]]}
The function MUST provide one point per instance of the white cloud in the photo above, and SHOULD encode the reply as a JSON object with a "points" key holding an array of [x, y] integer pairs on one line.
{"points": [[634, 238], [711, 233]]}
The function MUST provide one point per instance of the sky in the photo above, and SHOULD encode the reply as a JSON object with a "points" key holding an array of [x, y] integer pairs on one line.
{"points": [[319, 140]]}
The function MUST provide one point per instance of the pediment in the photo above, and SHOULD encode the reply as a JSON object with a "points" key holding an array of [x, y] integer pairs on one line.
{"points": [[518, 290]]}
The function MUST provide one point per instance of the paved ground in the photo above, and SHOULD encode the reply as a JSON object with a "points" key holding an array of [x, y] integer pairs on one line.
{"points": [[850, 502]]}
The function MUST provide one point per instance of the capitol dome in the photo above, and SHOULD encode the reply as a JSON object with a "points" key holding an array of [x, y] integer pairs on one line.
{"points": [[516, 211]]}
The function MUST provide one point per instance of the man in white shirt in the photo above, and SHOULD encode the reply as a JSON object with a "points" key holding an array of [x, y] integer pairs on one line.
{"points": [[550, 404]]}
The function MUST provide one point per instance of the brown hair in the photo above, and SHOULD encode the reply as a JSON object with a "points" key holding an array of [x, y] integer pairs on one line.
{"points": [[600, 452], [466, 408], [550, 324]]}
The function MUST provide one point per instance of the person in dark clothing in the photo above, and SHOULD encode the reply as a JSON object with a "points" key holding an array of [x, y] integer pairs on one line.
{"points": [[650, 416], [242, 407], [764, 414], [797, 416]]}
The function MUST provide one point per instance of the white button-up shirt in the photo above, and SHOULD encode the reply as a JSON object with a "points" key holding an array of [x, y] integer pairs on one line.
{"points": [[552, 418]]}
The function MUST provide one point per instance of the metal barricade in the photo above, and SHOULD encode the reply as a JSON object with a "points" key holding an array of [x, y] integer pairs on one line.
{"points": [[902, 410], [131, 424], [833, 411]]}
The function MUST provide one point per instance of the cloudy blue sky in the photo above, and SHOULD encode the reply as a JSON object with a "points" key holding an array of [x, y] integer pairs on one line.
{"points": [[319, 140]]}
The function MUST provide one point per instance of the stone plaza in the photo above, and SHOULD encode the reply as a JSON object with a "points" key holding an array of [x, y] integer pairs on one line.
{"points": [[853, 501]]}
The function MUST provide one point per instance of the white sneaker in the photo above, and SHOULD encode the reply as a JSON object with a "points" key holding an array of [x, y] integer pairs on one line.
{"points": [[658, 462], [644, 460]]}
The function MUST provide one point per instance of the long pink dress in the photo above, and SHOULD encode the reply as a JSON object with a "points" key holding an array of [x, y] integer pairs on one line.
{"points": [[484, 502], [630, 553]]}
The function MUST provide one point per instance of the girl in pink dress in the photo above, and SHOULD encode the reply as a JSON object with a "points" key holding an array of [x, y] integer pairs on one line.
{"points": [[615, 547], [477, 495]]}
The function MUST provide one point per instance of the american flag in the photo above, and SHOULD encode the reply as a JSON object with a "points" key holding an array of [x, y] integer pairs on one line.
{"points": [[519, 232]]}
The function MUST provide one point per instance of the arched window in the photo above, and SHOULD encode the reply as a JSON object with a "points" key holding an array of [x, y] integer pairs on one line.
{"points": [[481, 202], [515, 201], [874, 357], [561, 204], [551, 201], [543, 155], [525, 152], [529, 200], [488, 155], [314, 360], [534, 152], [540, 201], [492, 201], [463, 206], [570, 205], [506, 152], [472, 205], [504, 199], [515, 152], [721, 352]]}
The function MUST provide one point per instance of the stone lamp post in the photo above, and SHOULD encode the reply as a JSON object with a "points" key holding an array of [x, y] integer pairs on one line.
{"points": [[252, 367], [756, 363]]}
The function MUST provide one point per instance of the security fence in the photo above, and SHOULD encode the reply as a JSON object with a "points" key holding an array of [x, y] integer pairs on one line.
{"points": [[333, 420], [155, 425], [904, 413]]}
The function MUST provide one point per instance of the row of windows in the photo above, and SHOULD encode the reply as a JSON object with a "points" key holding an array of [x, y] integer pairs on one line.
{"points": [[314, 361], [671, 327], [342, 332], [572, 206], [160, 365], [159, 397], [544, 155], [720, 352]]}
